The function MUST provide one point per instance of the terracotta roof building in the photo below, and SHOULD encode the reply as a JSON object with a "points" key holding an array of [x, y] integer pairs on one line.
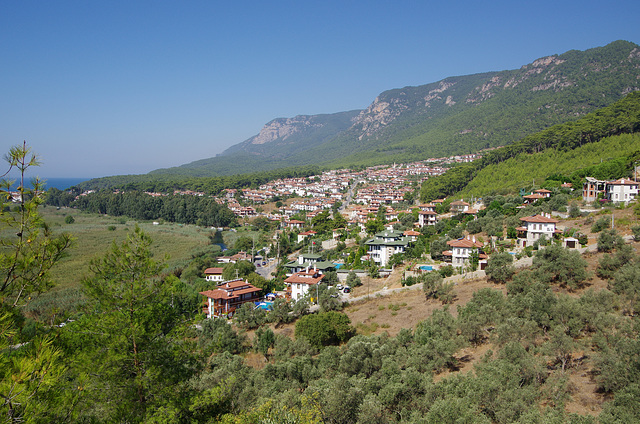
{"points": [[213, 274], [534, 227], [461, 250], [227, 297], [301, 282]]}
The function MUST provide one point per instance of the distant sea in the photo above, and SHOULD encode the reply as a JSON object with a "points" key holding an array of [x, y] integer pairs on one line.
{"points": [[59, 183]]}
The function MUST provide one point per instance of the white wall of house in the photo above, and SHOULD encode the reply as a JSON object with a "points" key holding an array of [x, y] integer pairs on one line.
{"points": [[427, 219], [460, 255], [622, 193], [298, 290], [214, 277]]}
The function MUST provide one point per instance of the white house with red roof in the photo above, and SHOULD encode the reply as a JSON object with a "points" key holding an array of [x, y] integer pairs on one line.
{"points": [[461, 250], [623, 190], [543, 192], [534, 227], [293, 224], [227, 297], [413, 235], [427, 218], [303, 235], [459, 206], [213, 274], [301, 282], [532, 198]]}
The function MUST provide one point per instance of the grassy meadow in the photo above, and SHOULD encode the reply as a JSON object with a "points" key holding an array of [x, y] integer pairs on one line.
{"points": [[93, 235]]}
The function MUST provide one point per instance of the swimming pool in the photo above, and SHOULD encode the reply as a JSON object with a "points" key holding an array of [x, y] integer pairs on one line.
{"points": [[264, 305], [426, 267]]}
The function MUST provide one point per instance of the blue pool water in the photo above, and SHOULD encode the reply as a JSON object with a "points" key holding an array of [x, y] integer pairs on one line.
{"points": [[265, 305], [426, 268]]}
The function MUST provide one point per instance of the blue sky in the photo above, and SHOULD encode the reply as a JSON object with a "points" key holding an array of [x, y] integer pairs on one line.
{"points": [[103, 88]]}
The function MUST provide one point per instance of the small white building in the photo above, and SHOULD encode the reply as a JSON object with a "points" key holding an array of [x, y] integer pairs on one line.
{"points": [[427, 218], [301, 282], [461, 250], [534, 227], [459, 206], [213, 274], [623, 190]]}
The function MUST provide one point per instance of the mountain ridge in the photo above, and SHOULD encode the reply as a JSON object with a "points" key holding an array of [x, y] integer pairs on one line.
{"points": [[456, 115]]}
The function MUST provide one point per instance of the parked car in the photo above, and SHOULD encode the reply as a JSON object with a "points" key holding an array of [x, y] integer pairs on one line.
{"points": [[346, 290]]}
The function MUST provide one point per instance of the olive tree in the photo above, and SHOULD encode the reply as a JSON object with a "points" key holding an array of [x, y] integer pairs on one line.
{"points": [[500, 267]]}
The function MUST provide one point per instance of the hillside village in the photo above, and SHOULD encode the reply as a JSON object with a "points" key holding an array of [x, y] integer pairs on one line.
{"points": [[330, 263], [462, 289], [377, 206]]}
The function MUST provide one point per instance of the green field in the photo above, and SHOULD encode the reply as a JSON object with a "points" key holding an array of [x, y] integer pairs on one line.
{"points": [[94, 234]]}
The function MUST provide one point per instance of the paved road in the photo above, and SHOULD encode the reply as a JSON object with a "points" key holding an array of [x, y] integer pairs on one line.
{"points": [[266, 270]]}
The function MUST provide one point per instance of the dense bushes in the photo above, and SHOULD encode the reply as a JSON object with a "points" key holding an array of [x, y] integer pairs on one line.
{"points": [[203, 211], [325, 328]]}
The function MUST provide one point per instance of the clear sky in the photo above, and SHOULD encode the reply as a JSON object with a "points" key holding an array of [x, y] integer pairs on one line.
{"points": [[103, 88]]}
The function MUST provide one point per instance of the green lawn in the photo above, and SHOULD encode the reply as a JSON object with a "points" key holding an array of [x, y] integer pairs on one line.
{"points": [[94, 234]]}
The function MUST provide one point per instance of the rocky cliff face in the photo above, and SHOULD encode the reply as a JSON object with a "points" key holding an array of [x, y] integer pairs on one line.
{"points": [[458, 114], [282, 137], [283, 128]]}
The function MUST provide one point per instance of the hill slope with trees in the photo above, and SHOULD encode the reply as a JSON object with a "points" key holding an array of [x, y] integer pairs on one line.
{"points": [[623, 117], [457, 115]]}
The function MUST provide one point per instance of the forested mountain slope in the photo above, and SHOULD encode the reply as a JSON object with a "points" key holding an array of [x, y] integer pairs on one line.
{"points": [[457, 115], [622, 117]]}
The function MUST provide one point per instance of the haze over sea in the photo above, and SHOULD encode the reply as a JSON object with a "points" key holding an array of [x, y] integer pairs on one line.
{"points": [[59, 183]]}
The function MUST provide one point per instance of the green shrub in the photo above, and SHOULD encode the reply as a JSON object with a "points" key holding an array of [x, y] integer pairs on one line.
{"points": [[636, 232], [446, 271], [325, 328], [500, 267], [609, 240], [602, 223]]}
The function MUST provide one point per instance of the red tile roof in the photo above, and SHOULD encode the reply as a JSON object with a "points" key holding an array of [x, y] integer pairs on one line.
{"points": [[303, 277], [539, 219], [464, 242], [230, 290], [622, 181]]}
